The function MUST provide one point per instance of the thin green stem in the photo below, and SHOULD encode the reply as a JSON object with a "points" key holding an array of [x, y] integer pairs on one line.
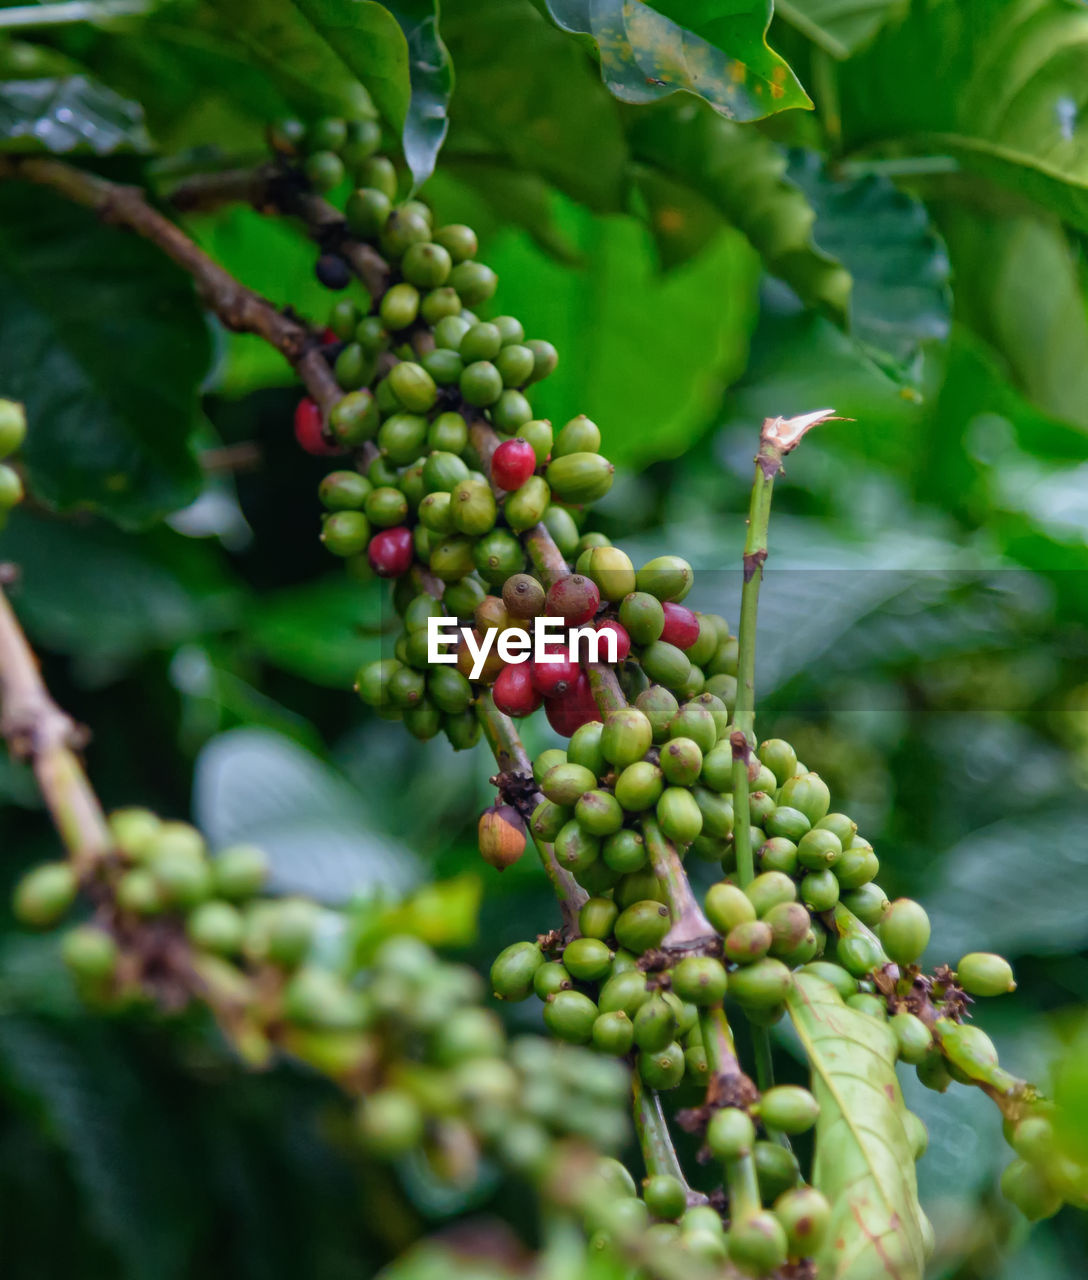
{"points": [[654, 1138]]}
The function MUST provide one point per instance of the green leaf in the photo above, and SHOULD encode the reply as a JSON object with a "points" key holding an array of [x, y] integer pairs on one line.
{"points": [[103, 339], [743, 174], [431, 74], [983, 900], [396, 51], [650, 51], [863, 1161], [839, 27], [997, 84], [69, 114], [1018, 288], [257, 787], [690, 329], [527, 92], [900, 297]]}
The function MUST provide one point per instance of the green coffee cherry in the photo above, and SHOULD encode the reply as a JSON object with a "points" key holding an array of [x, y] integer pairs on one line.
{"points": [[474, 282], [805, 1215], [701, 980], [904, 931], [458, 240], [597, 918], [819, 849], [730, 1134], [869, 904], [390, 1122], [44, 895], [912, 1036], [570, 1015], [642, 925], [514, 971], [727, 906], [762, 985], [666, 664], [566, 783], [472, 508], [679, 815], [216, 927], [1033, 1139], [545, 358], [779, 757], [820, 890], [345, 533], [1027, 1188], [659, 706], [786, 823], [985, 974], [624, 990], [138, 892], [933, 1073], [665, 1196], [808, 793], [575, 848], [769, 889], [580, 477], [426, 265], [599, 813], [789, 1109], [857, 867], [789, 922], [549, 819], [89, 952], [663, 1068], [550, 978], [668, 578], [749, 941], [613, 1033], [399, 307], [587, 959], [836, 976], [681, 761], [638, 788], [758, 1243], [413, 386], [642, 617], [526, 506], [12, 426], [467, 1034], [625, 851], [627, 736], [655, 1023], [717, 813], [859, 954]]}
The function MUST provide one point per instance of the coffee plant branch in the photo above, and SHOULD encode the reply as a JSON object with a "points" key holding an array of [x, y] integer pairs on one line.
{"points": [[240, 309]]}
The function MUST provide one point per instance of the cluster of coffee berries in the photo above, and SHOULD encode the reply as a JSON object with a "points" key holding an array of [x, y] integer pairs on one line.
{"points": [[12, 434]]}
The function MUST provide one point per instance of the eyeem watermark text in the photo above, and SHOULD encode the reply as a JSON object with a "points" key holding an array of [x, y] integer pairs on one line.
{"points": [[551, 640]]}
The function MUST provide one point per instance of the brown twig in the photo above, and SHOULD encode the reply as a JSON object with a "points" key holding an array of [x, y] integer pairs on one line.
{"points": [[240, 309], [37, 730]]}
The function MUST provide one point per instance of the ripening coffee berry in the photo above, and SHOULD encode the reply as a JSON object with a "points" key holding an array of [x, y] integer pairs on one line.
{"points": [[45, 894], [727, 906], [643, 616], [788, 1108], [523, 595], [627, 736], [599, 813], [985, 974], [391, 552], [580, 477], [700, 980], [805, 1215], [501, 835], [747, 942], [730, 1133], [345, 533], [904, 931], [758, 1243], [309, 430], [681, 761], [666, 577], [538, 432], [571, 710], [659, 706], [573, 598], [789, 923], [512, 463], [681, 626], [89, 952], [343, 491], [554, 679], [566, 783], [769, 889], [413, 386]]}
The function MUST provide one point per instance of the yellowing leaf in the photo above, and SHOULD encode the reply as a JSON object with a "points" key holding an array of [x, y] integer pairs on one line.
{"points": [[863, 1163]]}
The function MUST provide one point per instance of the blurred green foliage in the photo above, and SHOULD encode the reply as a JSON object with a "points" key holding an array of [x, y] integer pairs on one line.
{"points": [[910, 253]]}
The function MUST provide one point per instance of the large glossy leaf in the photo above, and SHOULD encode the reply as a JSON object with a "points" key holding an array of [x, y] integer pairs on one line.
{"points": [[718, 52], [102, 337], [743, 174], [689, 330], [840, 27], [900, 297], [258, 787], [396, 51], [527, 92], [1014, 886], [863, 1161], [69, 114], [1018, 287], [998, 84]]}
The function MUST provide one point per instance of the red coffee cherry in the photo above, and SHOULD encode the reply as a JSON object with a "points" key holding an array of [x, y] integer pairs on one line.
{"points": [[308, 430], [513, 690], [575, 708], [512, 463], [623, 640], [681, 626], [574, 598], [554, 679], [390, 552]]}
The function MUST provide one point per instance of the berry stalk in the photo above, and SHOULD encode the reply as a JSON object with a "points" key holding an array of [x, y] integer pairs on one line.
{"points": [[654, 1138]]}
